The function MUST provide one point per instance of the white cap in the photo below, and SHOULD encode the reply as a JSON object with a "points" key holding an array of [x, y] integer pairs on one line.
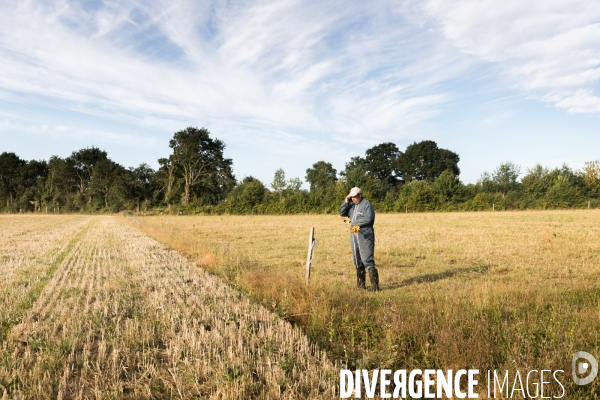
{"points": [[355, 191]]}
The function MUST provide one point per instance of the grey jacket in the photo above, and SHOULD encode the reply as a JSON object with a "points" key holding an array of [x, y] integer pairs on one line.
{"points": [[360, 214]]}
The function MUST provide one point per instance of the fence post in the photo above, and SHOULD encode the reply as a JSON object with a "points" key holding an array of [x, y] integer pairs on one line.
{"points": [[311, 245]]}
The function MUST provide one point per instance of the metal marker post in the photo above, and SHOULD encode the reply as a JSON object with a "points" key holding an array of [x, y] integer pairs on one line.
{"points": [[311, 245]]}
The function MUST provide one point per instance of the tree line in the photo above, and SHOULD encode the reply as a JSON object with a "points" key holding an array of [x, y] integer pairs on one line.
{"points": [[197, 178]]}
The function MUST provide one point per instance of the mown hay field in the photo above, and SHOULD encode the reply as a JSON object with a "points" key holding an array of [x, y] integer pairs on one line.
{"points": [[91, 308], [488, 291]]}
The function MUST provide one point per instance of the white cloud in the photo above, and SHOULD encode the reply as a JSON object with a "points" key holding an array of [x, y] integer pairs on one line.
{"points": [[551, 49], [580, 101], [292, 65]]}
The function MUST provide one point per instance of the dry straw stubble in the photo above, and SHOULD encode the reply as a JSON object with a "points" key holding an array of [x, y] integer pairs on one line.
{"points": [[124, 317]]}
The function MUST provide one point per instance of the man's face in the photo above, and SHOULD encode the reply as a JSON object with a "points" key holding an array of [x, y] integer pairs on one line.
{"points": [[356, 199]]}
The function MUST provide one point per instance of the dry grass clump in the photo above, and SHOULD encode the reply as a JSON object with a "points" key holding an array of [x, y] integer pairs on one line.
{"points": [[124, 317], [502, 291]]}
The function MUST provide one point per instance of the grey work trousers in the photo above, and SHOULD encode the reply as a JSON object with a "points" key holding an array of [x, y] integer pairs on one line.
{"points": [[363, 248]]}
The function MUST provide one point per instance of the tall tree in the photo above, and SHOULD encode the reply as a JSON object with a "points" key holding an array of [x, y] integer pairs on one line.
{"points": [[590, 175], [355, 163], [447, 185], [504, 178], [381, 162], [11, 167], [425, 161], [200, 160], [537, 181], [293, 185], [279, 182], [141, 181], [33, 175], [84, 162], [246, 195], [107, 174], [321, 177], [59, 183], [167, 178]]}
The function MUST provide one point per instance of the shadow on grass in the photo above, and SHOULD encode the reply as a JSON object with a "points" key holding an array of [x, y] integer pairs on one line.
{"points": [[410, 265], [428, 278]]}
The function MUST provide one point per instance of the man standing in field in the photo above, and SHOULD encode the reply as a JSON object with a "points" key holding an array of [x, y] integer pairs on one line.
{"points": [[362, 237]]}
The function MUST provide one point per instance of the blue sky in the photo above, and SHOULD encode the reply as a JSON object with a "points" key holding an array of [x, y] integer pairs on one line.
{"points": [[288, 83]]}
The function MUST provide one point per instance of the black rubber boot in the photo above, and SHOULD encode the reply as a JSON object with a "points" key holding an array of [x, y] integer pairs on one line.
{"points": [[374, 278], [361, 278]]}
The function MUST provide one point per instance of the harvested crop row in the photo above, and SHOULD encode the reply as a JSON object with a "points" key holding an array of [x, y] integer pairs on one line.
{"points": [[123, 317], [29, 255], [23, 243], [250, 350]]}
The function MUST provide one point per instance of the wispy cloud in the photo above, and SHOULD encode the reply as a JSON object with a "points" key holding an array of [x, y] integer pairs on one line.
{"points": [[550, 49], [296, 65]]}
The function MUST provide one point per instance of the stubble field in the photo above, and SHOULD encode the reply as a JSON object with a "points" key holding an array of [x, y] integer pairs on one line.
{"points": [[489, 291], [91, 308]]}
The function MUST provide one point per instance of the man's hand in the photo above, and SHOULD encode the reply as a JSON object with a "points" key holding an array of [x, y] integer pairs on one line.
{"points": [[348, 198], [354, 229]]}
